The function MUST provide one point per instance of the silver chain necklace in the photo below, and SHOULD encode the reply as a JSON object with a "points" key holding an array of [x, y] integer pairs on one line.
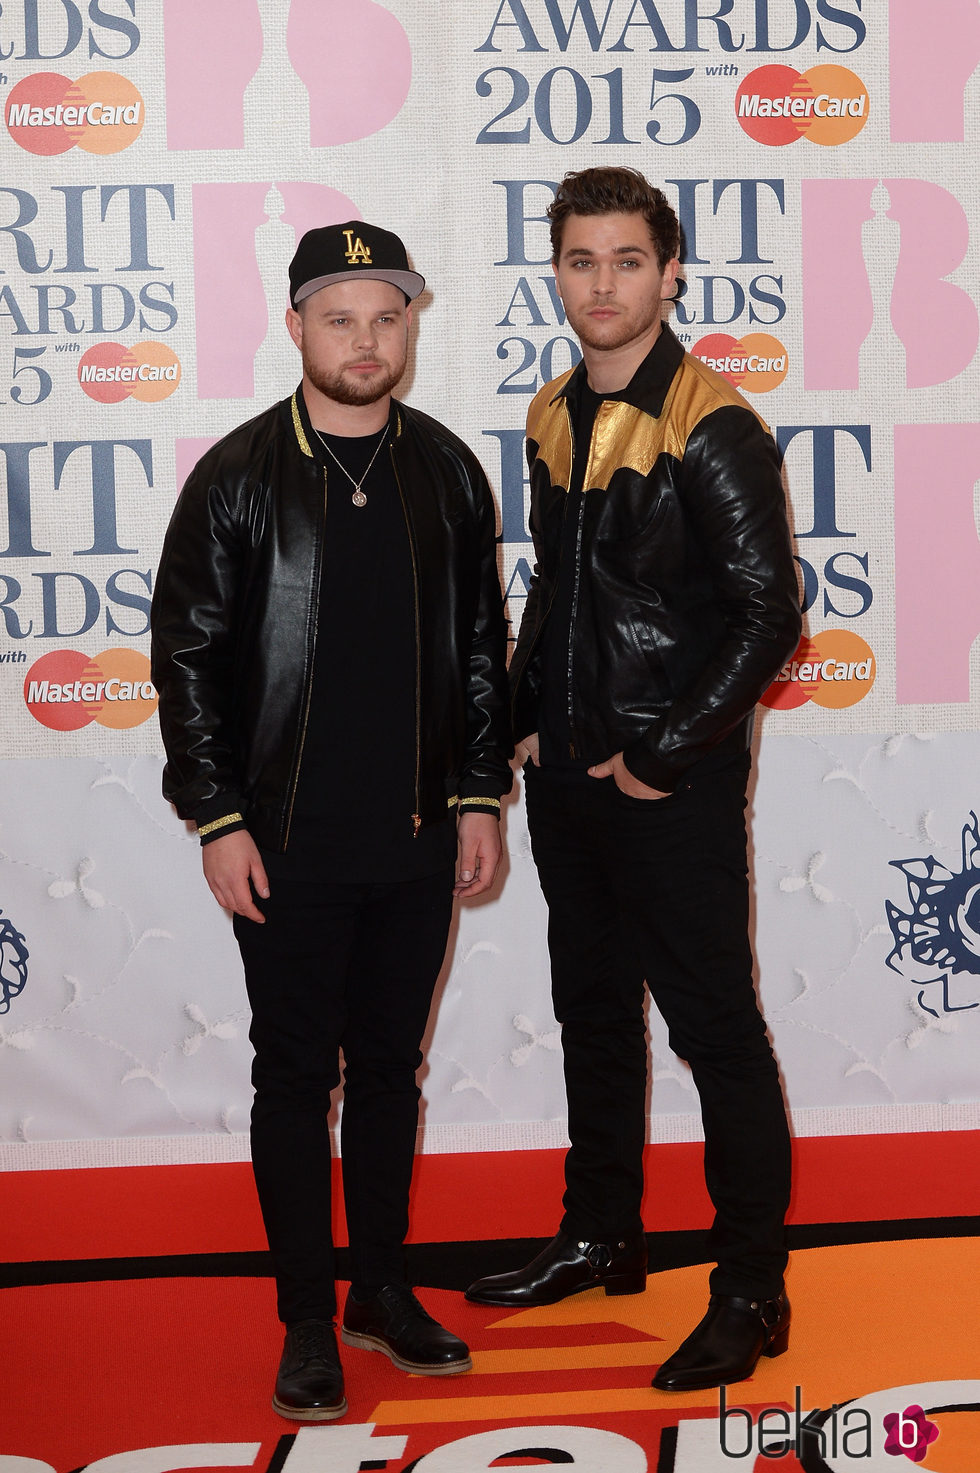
{"points": [[358, 497]]}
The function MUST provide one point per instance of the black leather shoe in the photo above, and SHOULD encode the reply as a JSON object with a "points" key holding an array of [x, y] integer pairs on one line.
{"points": [[310, 1383], [567, 1267], [396, 1324], [727, 1343]]}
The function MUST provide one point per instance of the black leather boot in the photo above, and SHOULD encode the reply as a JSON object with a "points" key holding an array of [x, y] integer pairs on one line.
{"points": [[567, 1267], [726, 1345]]}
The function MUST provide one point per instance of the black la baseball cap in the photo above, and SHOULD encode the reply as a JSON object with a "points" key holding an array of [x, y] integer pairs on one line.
{"points": [[338, 252]]}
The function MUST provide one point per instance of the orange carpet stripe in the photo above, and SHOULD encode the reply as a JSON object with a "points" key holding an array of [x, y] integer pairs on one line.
{"points": [[866, 1315], [515, 1408], [562, 1358], [955, 1450]]}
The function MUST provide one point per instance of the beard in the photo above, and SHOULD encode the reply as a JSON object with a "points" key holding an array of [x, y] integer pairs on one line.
{"points": [[344, 388], [618, 331]]}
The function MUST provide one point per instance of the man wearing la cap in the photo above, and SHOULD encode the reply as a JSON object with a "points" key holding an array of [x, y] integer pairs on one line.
{"points": [[328, 645]]}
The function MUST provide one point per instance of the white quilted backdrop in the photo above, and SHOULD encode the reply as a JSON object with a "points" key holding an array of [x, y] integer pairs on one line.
{"points": [[160, 160]]}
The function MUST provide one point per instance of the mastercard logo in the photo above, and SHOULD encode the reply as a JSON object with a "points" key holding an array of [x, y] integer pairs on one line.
{"points": [[777, 105], [834, 669], [109, 373], [755, 362], [47, 113], [65, 690]]}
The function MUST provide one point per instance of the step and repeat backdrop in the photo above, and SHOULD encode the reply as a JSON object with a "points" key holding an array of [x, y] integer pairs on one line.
{"points": [[160, 160]]}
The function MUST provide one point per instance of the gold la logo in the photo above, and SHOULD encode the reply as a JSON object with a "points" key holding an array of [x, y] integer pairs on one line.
{"points": [[357, 252]]}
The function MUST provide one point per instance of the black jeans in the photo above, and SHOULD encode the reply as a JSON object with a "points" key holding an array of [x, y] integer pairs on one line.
{"points": [[348, 967], [656, 891]]}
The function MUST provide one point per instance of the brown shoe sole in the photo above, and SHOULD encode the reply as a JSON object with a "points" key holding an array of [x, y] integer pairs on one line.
{"points": [[373, 1342], [310, 1414]]}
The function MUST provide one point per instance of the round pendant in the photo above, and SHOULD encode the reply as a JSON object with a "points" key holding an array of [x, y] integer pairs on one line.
{"points": [[359, 499]]}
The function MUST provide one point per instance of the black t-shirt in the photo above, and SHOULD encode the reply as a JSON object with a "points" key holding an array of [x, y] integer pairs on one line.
{"points": [[352, 819], [555, 735]]}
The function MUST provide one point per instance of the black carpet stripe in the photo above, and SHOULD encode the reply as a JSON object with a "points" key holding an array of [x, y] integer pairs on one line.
{"points": [[454, 1265]]}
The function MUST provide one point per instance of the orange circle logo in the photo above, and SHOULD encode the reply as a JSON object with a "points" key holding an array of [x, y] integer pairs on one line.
{"points": [[47, 113], [755, 362], [834, 669], [65, 690], [109, 372], [777, 105]]}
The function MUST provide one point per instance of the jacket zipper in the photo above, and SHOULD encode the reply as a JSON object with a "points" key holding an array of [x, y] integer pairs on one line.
{"points": [[577, 581], [571, 625], [416, 816], [309, 683]]}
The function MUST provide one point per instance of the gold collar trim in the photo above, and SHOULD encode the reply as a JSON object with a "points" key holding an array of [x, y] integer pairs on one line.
{"points": [[304, 443]]}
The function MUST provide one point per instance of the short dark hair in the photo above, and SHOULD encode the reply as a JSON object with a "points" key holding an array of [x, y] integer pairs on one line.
{"points": [[609, 190]]}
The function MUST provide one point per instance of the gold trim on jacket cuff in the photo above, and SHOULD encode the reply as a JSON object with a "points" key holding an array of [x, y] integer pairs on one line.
{"points": [[219, 823]]}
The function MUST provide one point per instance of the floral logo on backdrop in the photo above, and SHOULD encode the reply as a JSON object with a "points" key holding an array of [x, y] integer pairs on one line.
{"points": [[938, 939], [13, 963]]}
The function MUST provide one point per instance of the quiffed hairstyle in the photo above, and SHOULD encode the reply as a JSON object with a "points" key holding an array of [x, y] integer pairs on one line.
{"points": [[615, 191]]}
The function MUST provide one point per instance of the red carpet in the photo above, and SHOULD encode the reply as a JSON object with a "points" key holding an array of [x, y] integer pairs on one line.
{"points": [[184, 1364], [512, 1194], [101, 1369]]}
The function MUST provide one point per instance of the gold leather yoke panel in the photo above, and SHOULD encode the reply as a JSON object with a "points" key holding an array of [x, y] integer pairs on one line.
{"points": [[624, 436]]}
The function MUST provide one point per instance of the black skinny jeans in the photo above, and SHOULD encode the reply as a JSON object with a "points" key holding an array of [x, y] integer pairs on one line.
{"points": [[656, 891], [352, 967]]}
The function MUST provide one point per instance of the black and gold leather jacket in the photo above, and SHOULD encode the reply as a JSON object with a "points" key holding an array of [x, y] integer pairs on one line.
{"points": [[234, 620], [686, 598]]}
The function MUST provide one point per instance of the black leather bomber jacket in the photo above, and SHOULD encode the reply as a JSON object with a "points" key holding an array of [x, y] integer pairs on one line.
{"points": [[234, 623], [686, 599]]}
